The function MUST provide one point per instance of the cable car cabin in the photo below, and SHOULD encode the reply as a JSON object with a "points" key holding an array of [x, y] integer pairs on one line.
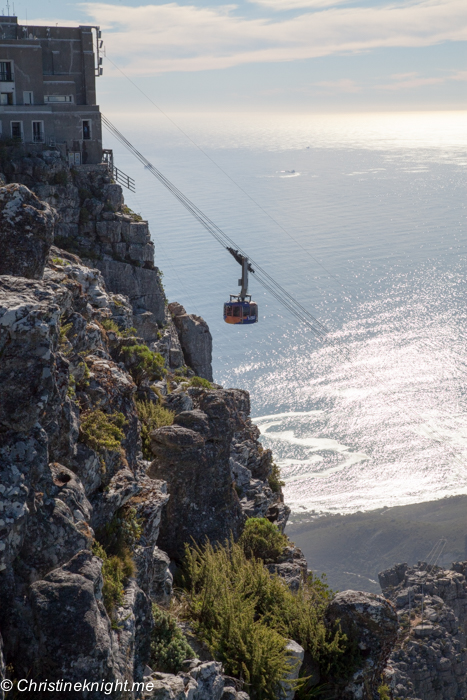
{"points": [[238, 311]]}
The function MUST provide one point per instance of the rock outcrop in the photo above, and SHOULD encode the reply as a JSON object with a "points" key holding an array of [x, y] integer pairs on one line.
{"points": [[26, 232], [370, 622], [430, 658], [195, 340]]}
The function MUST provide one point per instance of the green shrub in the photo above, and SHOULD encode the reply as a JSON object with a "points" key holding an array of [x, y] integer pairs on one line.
{"points": [[262, 539], [152, 416], [84, 193], [115, 573], [102, 431], [130, 212], [199, 381], [83, 215], [71, 391], [144, 364], [122, 533], [169, 648], [109, 325], [383, 692], [245, 616], [60, 178], [128, 332], [193, 381], [64, 329], [274, 479]]}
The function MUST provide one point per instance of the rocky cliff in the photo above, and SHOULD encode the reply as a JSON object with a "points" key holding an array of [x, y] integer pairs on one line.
{"points": [[116, 450]]}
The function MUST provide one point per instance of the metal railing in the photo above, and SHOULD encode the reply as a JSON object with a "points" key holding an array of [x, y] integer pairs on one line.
{"points": [[6, 76], [118, 175], [122, 179]]}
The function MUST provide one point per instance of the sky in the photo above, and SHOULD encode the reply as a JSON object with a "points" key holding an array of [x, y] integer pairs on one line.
{"points": [[280, 55]]}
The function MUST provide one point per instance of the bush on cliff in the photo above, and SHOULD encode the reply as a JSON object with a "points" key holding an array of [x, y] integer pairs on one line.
{"points": [[144, 364], [152, 416], [192, 381], [169, 648], [274, 479], [102, 431], [114, 544], [115, 572], [245, 616], [261, 539]]}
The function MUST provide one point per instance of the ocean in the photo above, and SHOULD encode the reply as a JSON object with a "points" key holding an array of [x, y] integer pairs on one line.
{"points": [[361, 217]]}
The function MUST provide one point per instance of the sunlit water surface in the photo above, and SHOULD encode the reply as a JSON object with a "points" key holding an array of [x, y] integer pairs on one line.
{"points": [[374, 210]]}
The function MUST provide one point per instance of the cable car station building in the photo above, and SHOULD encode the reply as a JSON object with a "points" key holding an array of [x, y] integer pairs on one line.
{"points": [[48, 88]]}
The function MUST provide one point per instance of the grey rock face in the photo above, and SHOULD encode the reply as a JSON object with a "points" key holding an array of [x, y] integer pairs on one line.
{"points": [[372, 620], [144, 290], [202, 681], [291, 566], [26, 232], [431, 661], [2, 669], [195, 339], [195, 463], [76, 644], [29, 321]]}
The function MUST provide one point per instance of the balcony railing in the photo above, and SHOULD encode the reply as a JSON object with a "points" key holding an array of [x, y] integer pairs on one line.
{"points": [[6, 76]]}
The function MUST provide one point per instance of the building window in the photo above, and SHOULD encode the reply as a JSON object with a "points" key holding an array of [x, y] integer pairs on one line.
{"points": [[6, 75], [28, 97], [86, 130], [6, 98], [38, 132], [58, 98], [17, 130]]}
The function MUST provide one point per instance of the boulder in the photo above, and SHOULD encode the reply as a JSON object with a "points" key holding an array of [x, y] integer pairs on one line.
{"points": [[195, 339], [295, 656], [26, 232]]}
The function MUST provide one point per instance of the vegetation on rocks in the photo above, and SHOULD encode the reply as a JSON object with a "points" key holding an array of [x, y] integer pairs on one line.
{"points": [[152, 416], [261, 539], [193, 381], [169, 648], [143, 363], [113, 545], [102, 431], [119, 536], [274, 479], [115, 572], [245, 616]]}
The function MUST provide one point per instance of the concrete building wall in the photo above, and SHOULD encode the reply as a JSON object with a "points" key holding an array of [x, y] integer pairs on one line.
{"points": [[53, 82]]}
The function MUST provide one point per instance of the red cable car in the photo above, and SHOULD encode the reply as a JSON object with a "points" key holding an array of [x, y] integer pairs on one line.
{"points": [[240, 309]]}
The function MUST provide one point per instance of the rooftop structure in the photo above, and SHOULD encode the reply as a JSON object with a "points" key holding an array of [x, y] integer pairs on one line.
{"points": [[48, 88]]}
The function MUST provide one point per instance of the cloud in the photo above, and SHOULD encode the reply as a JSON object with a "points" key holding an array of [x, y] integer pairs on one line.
{"points": [[407, 81], [343, 85], [282, 5], [153, 39]]}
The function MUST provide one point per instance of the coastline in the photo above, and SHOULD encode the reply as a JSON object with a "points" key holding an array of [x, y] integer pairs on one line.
{"points": [[353, 549]]}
